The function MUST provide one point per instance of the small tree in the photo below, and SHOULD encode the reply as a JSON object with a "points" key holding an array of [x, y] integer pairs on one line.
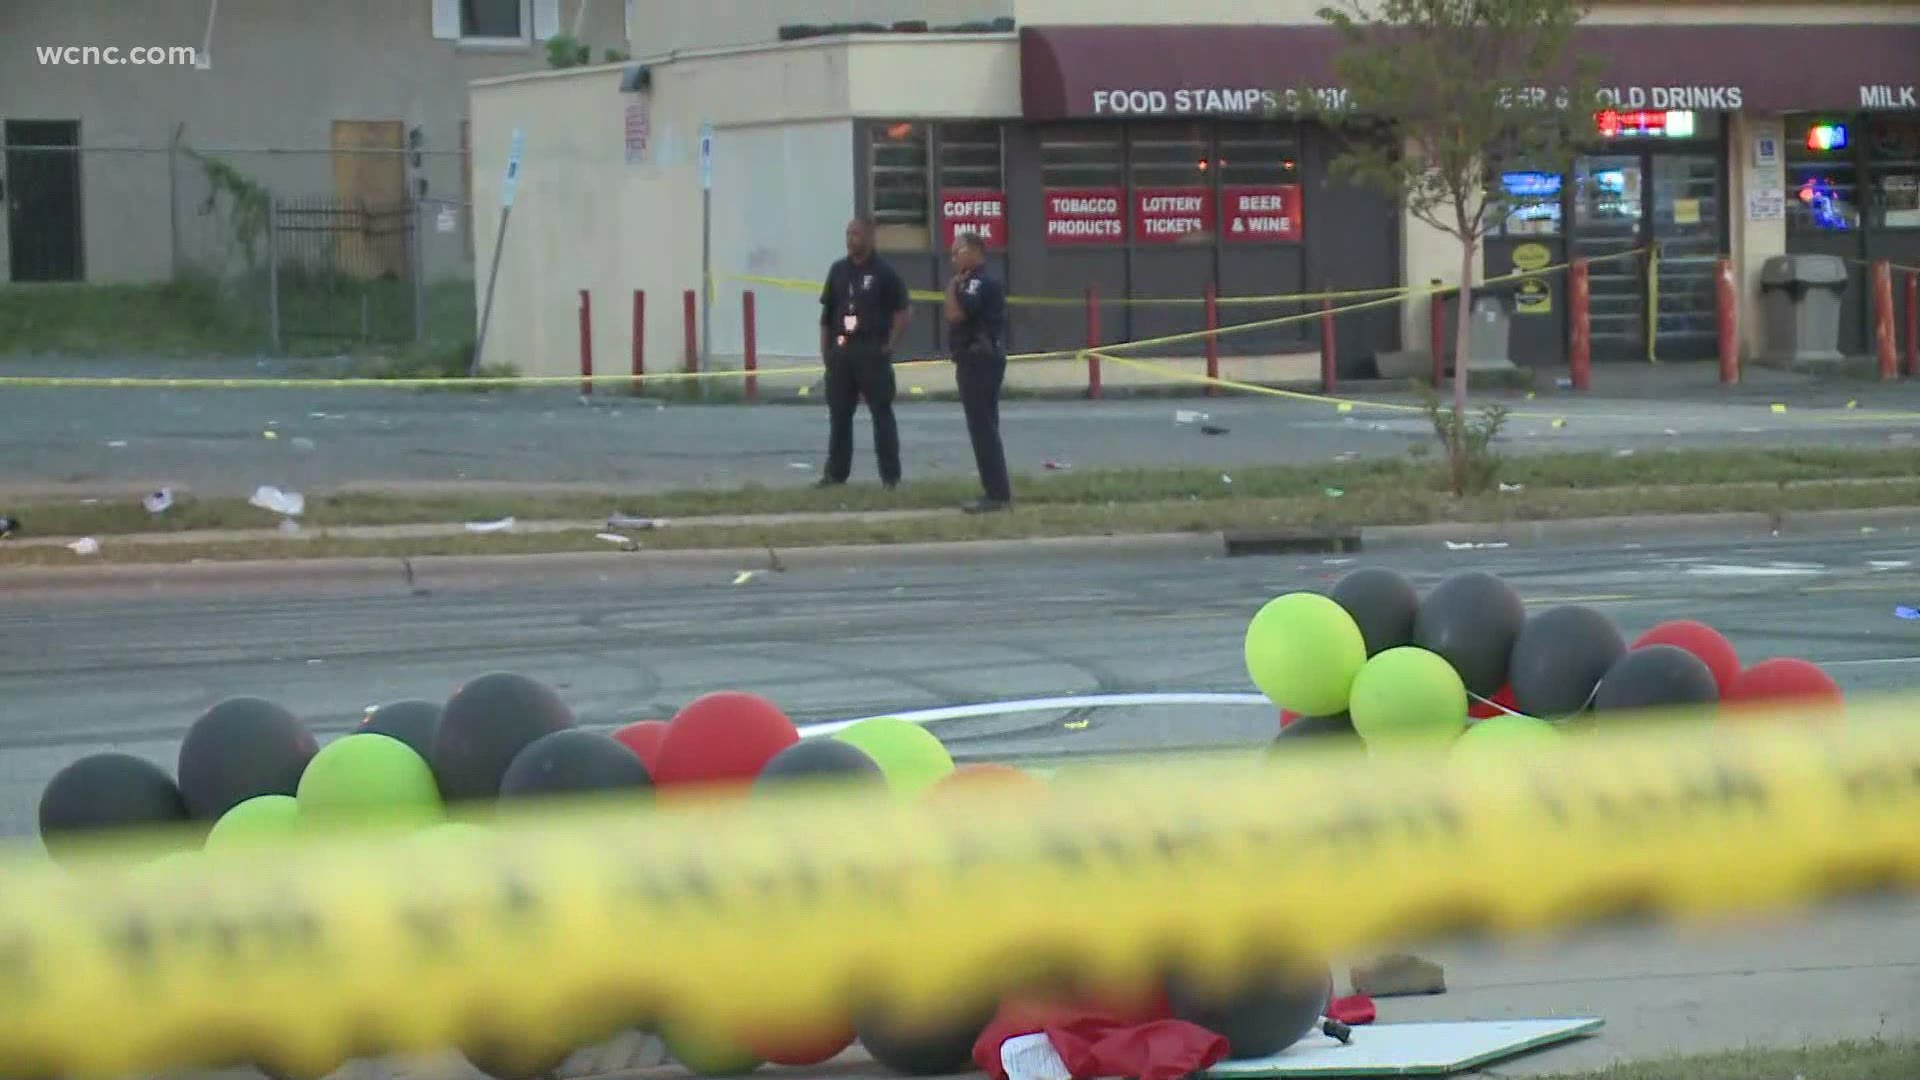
{"points": [[1462, 86]]}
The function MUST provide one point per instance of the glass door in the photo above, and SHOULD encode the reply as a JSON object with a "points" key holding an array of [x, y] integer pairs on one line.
{"points": [[1686, 218], [1609, 203]]}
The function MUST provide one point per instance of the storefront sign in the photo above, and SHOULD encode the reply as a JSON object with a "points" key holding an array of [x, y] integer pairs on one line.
{"points": [[1533, 296], [1211, 101], [639, 129], [1702, 98], [981, 212], [1085, 216], [1889, 97], [1767, 204], [1170, 215], [1260, 215]]}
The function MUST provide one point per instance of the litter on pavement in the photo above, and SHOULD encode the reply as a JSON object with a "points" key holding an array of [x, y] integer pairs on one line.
{"points": [[158, 502], [628, 521], [505, 524], [86, 545], [1455, 545], [1907, 613], [626, 542], [8, 526]]}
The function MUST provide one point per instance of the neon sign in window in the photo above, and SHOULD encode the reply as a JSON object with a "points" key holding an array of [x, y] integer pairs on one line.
{"points": [[1824, 204], [1827, 137], [1644, 123]]}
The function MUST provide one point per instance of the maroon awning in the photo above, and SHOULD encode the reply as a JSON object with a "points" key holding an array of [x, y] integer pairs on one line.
{"points": [[1113, 71]]}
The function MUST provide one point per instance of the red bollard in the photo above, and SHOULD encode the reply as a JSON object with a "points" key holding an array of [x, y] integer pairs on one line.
{"points": [[1883, 345], [1093, 341], [751, 360], [1213, 340], [690, 317], [1328, 346], [1913, 322], [1437, 332], [586, 343], [639, 339], [1579, 327], [1728, 310]]}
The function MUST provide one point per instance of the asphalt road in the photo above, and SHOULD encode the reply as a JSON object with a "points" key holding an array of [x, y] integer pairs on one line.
{"points": [[79, 674], [215, 441]]}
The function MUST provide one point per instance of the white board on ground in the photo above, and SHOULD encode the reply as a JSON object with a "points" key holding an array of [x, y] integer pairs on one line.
{"points": [[1410, 1049]]}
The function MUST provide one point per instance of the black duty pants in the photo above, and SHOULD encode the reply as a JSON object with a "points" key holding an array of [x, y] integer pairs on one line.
{"points": [[979, 375], [861, 371]]}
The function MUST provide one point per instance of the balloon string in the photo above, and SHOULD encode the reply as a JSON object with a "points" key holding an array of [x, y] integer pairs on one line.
{"points": [[1584, 706]]}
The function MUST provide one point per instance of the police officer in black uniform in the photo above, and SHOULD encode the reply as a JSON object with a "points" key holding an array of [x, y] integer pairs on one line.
{"points": [[976, 310], [864, 312]]}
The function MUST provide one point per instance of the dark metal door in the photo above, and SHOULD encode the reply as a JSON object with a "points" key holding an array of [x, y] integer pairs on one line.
{"points": [[43, 200], [1686, 217]]}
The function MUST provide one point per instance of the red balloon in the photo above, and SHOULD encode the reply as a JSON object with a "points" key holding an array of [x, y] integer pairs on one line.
{"points": [[1784, 681], [1500, 704], [1287, 717], [983, 775], [724, 738], [1703, 641], [801, 1051], [643, 738]]}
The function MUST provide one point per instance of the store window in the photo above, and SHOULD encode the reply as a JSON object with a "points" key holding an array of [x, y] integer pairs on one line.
{"points": [[1171, 167], [1083, 172], [1823, 178], [1894, 155], [1530, 202], [971, 157], [899, 196], [1259, 154]]}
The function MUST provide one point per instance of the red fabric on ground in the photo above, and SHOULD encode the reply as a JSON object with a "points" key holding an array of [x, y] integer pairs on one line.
{"points": [[1141, 1042], [1353, 1011]]}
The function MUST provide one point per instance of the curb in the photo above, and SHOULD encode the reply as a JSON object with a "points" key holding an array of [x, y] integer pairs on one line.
{"points": [[427, 573], [1569, 530]]}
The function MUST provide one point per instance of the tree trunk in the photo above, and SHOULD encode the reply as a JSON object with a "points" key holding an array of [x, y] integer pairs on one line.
{"points": [[1462, 339]]}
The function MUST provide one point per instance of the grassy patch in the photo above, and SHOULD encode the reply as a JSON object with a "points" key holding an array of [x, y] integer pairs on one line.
{"points": [[1838, 1061], [1373, 492], [200, 315], [1355, 509]]}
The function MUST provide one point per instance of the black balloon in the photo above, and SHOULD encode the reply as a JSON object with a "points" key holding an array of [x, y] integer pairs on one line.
{"points": [[521, 1063], [925, 1051], [1262, 1018], [240, 749], [1560, 656], [485, 726], [815, 760], [1339, 726], [1472, 621], [102, 792], [1384, 605], [1656, 676], [571, 762], [412, 722]]}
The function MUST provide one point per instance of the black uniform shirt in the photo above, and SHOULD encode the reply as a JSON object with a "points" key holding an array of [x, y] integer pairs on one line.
{"points": [[859, 302], [983, 302]]}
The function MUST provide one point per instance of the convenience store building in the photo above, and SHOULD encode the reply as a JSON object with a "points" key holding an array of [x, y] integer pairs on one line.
{"points": [[1097, 147]]}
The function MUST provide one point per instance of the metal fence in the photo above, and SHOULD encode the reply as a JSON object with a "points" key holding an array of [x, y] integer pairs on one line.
{"points": [[284, 244]]}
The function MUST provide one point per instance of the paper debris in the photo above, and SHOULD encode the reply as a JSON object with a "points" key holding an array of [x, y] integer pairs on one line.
{"points": [[1889, 564], [1511, 488], [1561, 384], [800, 466], [1623, 453], [1225, 479], [1059, 466], [505, 524], [274, 501], [1454, 545], [1033, 1057], [270, 434], [745, 576], [1346, 455], [86, 545], [158, 502], [118, 444], [1670, 433], [629, 521], [1190, 416], [1334, 493], [626, 542]]}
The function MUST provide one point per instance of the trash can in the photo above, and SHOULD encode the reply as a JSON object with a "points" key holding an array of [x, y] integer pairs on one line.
{"points": [[1490, 335], [1800, 295]]}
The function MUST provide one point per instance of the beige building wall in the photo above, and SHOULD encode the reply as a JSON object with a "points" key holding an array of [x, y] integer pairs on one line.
{"points": [[1282, 12], [664, 26], [280, 73]]}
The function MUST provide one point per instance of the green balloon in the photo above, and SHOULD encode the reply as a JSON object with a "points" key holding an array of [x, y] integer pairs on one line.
{"points": [[262, 821], [1303, 651], [1508, 734], [707, 1055], [1408, 697], [369, 779], [912, 758]]}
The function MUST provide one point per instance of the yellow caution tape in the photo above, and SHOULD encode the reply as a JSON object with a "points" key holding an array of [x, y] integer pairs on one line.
{"points": [[560, 930], [935, 296]]}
